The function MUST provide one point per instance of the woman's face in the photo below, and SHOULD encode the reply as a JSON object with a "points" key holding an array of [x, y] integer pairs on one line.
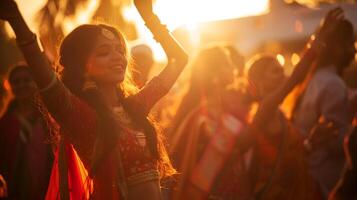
{"points": [[272, 78], [107, 62], [23, 85]]}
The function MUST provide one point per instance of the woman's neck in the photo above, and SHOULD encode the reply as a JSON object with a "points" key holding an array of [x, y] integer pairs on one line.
{"points": [[109, 92]]}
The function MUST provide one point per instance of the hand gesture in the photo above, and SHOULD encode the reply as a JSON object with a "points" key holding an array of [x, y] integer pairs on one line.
{"points": [[8, 9], [144, 7], [329, 23]]}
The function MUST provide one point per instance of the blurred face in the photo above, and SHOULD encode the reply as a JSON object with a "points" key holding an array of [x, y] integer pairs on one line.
{"points": [[22, 84], [107, 62], [272, 78]]}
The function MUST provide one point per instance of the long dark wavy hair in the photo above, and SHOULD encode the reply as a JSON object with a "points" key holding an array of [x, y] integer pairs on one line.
{"points": [[74, 52]]}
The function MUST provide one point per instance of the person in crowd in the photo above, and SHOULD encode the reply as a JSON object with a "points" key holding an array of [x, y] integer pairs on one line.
{"points": [[325, 99], [204, 130], [143, 63], [25, 151], [108, 147], [278, 167]]}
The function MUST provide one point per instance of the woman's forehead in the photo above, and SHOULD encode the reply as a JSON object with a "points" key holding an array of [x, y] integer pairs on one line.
{"points": [[103, 40]]}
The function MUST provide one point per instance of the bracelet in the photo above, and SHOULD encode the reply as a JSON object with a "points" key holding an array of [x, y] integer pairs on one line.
{"points": [[50, 85], [156, 27], [28, 42]]}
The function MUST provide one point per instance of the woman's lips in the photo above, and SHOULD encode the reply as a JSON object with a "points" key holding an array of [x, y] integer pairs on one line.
{"points": [[117, 69]]}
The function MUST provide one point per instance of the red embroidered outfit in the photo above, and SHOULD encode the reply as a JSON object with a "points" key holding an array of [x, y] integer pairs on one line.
{"points": [[78, 122]]}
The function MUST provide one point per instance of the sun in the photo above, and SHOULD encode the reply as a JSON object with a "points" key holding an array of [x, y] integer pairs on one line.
{"points": [[175, 13], [180, 12]]}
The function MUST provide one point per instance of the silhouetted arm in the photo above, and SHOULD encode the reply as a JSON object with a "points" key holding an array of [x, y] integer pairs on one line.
{"points": [[176, 57], [271, 102]]}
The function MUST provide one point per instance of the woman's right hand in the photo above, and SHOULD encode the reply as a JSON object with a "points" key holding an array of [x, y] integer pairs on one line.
{"points": [[8, 10]]}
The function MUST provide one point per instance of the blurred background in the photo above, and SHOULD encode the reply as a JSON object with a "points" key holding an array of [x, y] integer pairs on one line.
{"points": [[254, 26]]}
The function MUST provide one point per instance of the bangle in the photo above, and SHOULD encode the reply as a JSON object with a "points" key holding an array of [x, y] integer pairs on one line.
{"points": [[27, 42], [50, 84], [153, 23]]}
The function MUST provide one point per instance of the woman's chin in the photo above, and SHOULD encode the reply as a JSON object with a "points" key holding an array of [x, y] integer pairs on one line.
{"points": [[111, 80]]}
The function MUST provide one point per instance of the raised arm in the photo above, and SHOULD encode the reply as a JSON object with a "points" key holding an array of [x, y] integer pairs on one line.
{"points": [[62, 105], [310, 53], [176, 56], [27, 43]]}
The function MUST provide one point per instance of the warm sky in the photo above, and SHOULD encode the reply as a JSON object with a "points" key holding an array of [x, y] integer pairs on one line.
{"points": [[172, 12]]}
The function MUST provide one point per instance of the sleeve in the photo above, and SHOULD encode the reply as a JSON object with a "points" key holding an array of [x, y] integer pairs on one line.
{"points": [[156, 88], [76, 118]]}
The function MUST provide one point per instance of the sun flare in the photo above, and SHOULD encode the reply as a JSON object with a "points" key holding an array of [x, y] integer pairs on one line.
{"points": [[175, 13]]}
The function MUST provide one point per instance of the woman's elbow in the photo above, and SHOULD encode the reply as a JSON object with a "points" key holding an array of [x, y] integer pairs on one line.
{"points": [[182, 59]]}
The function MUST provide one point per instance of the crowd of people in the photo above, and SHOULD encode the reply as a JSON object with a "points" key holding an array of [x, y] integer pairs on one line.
{"points": [[92, 126]]}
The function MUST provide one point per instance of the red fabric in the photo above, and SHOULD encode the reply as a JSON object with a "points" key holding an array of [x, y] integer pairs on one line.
{"points": [[78, 183], [9, 136], [291, 179], [188, 151], [24, 158], [79, 126]]}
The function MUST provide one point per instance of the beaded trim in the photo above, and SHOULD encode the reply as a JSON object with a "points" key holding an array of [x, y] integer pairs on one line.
{"points": [[143, 177]]}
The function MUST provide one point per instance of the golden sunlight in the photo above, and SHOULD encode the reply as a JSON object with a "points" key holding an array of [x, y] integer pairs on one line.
{"points": [[175, 13]]}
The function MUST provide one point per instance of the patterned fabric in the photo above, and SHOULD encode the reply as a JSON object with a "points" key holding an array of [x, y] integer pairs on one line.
{"points": [[200, 135], [79, 127]]}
